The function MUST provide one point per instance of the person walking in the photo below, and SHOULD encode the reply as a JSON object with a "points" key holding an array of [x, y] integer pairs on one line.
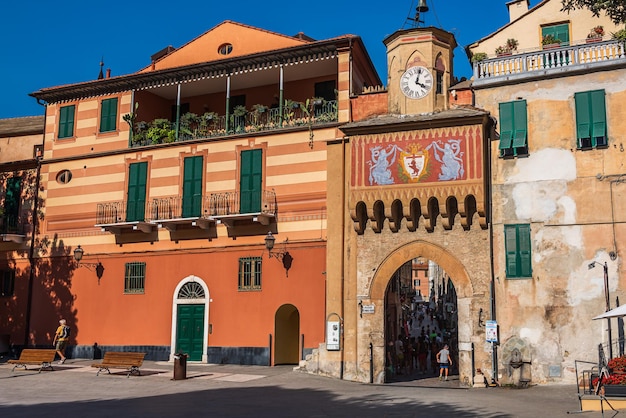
{"points": [[60, 339], [444, 360]]}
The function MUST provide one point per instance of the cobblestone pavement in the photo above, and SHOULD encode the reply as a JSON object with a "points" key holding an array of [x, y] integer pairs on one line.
{"points": [[73, 389]]}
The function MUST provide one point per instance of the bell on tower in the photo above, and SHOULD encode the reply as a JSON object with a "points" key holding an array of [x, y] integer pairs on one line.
{"points": [[421, 8]]}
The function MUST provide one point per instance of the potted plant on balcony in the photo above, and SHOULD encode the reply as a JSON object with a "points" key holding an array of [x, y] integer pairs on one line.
{"points": [[507, 48], [550, 41], [596, 34], [479, 56], [620, 35]]}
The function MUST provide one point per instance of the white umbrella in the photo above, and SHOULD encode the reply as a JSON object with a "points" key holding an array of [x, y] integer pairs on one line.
{"points": [[613, 313]]}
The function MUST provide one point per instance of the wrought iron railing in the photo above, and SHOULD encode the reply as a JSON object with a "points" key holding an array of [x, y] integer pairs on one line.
{"points": [[298, 114], [231, 203], [534, 62], [15, 223]]}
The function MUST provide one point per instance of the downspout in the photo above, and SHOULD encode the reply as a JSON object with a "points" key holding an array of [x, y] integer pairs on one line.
{"points": [[343, 255], [132, 127], [492, 287], [31, 250]]}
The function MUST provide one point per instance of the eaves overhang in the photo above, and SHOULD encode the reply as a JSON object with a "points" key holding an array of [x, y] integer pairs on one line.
{"points": [[138, 81], [397, 123]]}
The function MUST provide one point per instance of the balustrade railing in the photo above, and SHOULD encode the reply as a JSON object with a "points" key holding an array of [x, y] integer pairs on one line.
{"points": [[530, 63]]}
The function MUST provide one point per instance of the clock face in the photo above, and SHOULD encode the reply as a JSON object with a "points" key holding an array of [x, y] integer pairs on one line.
{"points": [[416, 82]]}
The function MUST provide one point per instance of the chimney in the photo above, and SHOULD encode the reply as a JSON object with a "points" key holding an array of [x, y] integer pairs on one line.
{"points": [[517, 8], [108, 73]]}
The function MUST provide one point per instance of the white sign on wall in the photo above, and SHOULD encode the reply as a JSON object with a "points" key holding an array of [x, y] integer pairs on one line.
{"points": [[491, 331], [333, 333]]}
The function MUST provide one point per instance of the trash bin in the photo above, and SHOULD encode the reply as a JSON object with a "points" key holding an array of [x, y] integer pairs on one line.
{"points": [[180, 366]]}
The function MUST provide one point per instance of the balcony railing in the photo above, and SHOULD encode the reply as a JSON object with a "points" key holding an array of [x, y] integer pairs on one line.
{"points": [[547, 61], [211, 125], [175, 208], [14, 227]]}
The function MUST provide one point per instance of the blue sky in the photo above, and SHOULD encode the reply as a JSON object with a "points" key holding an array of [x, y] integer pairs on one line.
{"points": [[46, 44]]}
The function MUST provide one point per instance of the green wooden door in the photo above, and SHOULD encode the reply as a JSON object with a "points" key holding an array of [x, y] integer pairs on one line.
{"points": [[250, 181], [190, 331], [192, 187], [12, 200], [136, 202]]}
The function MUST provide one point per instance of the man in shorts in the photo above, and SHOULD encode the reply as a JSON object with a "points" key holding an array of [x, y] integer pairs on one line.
{"points": [[444, 360], [60, 339]]}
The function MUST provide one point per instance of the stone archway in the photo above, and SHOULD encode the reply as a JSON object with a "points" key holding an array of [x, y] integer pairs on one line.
{"points": [[453, 266]]}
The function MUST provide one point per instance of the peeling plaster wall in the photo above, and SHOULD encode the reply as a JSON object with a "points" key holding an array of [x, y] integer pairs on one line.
{"points": [[559, 190]]}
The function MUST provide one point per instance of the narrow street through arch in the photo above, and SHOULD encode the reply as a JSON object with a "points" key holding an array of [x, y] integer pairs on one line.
{"points": [[420, 320]]}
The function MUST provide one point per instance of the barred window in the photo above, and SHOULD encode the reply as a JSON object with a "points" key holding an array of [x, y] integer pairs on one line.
{"points": [[7, 282], [135, 277], [250, 273]]}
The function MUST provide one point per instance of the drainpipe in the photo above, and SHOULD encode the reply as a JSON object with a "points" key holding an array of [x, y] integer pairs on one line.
{"points": [[177, 110], [31, 250], [492, 287]]}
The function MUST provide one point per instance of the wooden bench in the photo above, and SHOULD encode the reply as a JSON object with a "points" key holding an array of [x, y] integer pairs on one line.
{"points": [[120, 360], [35, 356]]}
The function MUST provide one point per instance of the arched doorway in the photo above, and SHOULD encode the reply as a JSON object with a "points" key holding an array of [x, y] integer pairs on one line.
{"points": [[463, 290], [420, 319], [287, 332], [190, 314]]}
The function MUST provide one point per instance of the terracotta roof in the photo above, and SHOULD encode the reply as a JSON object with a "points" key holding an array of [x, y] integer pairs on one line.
{"points": [[28, 125]]}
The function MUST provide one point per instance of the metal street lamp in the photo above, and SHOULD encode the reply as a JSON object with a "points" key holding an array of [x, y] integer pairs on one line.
{"points": [[607, 300]]}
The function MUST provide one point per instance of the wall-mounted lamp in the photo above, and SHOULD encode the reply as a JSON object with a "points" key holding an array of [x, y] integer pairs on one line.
{"points": [[97, 267], [481, 323], [283, 256]]}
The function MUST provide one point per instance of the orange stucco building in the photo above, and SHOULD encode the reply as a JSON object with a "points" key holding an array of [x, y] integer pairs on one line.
{"points": [[160, 190]]}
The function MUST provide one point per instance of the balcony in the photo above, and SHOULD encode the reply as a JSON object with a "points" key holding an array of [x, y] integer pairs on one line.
{"points": [[313, 112], [14, 227], [561, 61], [198, 212]]}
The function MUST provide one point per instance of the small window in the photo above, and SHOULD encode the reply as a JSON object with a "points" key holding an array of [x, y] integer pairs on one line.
{"points": [[517, 248], [250, 273], [64, 176], [66, 121], [558, 32], [225, 49], [108, 115], [591, 129], [439, 88], [135, 277], [7, 282], [513, 129]]}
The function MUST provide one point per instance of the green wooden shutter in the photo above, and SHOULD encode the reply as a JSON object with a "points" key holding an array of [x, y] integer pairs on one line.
{"points": [[506, 125], [192, 187], [250, 181], [519, 123], [66, 121], [510, 244], [108, 115], [598, 118], [560, 32], [136, 203], [523, 241], [583, 116]]}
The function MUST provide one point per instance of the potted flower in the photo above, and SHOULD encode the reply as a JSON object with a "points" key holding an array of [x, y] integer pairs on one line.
{"points": [[596, 34], [550, 41], [479, 56], [615, 383], [511, 44]]}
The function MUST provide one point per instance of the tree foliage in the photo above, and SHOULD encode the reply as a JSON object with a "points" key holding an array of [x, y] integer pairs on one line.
{"points": [[614, 9]]}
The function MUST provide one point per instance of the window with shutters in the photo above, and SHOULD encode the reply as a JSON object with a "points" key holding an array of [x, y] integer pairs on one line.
{"points": [[7, 282], [136, 196], [250, 273], [513, 129], [66, 121], [135, 277], [559, 32], [192, 186], [591, 129], [517, 247], [108, 115]]}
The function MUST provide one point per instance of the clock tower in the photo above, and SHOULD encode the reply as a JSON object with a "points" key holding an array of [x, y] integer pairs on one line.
{"points": [[419, 66]]}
